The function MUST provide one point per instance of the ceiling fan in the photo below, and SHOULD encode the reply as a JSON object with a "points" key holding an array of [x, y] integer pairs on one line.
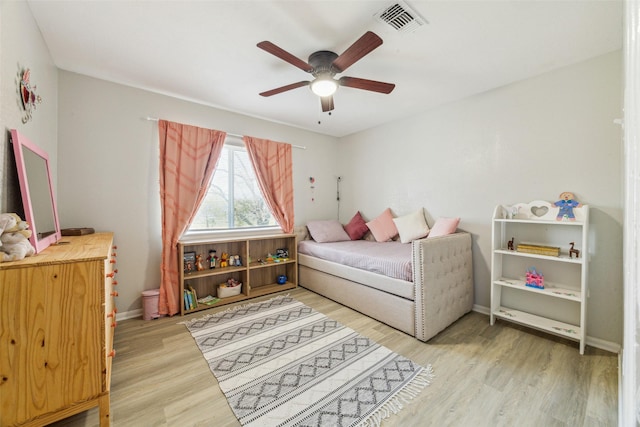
{"points": [[324, 65]]}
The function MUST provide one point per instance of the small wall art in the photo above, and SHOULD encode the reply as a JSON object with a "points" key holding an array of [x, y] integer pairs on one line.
{"points": [[27, 93]]}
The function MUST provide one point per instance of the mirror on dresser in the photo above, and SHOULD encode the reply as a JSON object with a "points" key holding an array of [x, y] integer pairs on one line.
{"points": [[36, 188]]}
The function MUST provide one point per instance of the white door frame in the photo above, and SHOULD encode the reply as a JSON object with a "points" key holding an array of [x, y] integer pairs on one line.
{"points": [[630, 384]]}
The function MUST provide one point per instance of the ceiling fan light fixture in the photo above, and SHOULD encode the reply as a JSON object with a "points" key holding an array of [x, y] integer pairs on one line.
{"points": [[324, 86]]}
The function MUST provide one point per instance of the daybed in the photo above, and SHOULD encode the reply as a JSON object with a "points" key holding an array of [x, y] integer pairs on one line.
{"points": [[436, 292]]}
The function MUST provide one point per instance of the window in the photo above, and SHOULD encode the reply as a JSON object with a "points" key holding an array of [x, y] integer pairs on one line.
{"points": [[234, 200]]}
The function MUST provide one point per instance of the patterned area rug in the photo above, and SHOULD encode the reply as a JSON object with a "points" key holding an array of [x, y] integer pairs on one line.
{"points": [[281, 363]]}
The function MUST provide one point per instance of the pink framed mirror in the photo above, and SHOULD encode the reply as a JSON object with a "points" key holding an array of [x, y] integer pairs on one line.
{"points": [[36, 187]]}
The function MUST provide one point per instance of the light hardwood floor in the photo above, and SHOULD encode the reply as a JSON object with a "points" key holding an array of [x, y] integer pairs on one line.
{"points": [[500, 375]]}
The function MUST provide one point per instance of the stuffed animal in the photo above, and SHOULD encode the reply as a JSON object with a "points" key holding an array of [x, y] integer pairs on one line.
{"points": [[16, 245], [199, 265], [566, 204], [224, 259], [14, 238], [10, 222]]}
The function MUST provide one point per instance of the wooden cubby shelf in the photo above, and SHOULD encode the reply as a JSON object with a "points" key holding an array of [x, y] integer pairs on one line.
{"points": [[257, 278]]}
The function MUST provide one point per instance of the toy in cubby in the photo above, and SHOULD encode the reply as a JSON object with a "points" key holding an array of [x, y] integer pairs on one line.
{"points": [[224, 259], [212, 258], [234, 261], [534, 278], [282, 253], [280, 256], [199, 265], [230, 288]]}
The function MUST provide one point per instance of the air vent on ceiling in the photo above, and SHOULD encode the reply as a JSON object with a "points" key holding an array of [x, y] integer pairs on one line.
{"points": [[400, 17]]}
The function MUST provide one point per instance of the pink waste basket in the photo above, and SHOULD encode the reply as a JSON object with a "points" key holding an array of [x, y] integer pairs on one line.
{"points": [[150, 304]]}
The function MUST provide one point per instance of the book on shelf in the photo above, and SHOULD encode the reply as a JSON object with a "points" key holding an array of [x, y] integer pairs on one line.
{"points": [[190, 299], [208, 300], [531, 248], [194, 296], [187, 301]]}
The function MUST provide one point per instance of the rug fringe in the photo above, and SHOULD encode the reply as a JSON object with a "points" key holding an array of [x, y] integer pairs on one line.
{"points": [[229, 310], [400, 399]]}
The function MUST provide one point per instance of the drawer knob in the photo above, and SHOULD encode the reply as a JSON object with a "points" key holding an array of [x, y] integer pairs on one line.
{"points": [[112, 353], [114, 293], [114, 282], [112, 261], [113, 273]]}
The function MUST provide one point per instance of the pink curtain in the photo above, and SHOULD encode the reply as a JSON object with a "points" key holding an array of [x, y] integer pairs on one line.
{"points": [[188, 156], [273, 167]]}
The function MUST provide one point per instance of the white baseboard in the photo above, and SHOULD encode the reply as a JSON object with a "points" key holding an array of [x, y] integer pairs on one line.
{"points": [[604, 345], [620, 390], [129, 314], [593, 342], [481, 309]]}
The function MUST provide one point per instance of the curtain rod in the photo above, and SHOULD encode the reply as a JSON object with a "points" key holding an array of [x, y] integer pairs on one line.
{"points": [[155, 119]]}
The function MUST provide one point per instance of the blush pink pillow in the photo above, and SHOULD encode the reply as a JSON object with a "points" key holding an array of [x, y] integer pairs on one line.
{"points": [[444, 226], [356, 228], [383, 228], [327, 231]]}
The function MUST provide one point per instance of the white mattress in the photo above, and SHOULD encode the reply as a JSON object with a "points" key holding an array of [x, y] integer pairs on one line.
{"points": [[391, 259]]}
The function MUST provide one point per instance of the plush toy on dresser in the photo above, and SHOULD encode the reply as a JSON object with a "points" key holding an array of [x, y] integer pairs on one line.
{"points": [[14, 238]]}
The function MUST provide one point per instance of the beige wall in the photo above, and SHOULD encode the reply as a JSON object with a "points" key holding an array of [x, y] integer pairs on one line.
{"points": [[108, 168], [21, 46], [527, 141]]}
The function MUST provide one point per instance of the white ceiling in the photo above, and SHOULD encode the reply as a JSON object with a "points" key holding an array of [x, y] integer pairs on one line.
{"points": [[205, 51]]}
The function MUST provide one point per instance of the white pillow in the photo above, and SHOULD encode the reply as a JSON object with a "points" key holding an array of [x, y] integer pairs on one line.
{"points": [[325, 231], [412, 226]]}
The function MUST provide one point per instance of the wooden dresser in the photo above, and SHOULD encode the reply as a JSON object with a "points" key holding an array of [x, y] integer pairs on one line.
{"points": [[57, 318]]}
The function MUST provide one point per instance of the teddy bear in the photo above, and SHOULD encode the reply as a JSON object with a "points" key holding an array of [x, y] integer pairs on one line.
{"points": [[566, 204], [10, 222], [14, 238], [224, 259]]}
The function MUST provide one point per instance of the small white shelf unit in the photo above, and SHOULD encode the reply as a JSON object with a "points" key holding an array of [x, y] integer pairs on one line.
{"points": [[561, 307]]}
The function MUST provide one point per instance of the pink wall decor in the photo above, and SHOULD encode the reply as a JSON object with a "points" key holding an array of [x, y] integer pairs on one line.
{"points": [[28, 95]]}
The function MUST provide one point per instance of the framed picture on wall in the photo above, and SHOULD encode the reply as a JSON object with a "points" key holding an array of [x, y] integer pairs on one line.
{"points": [[189, 262]]}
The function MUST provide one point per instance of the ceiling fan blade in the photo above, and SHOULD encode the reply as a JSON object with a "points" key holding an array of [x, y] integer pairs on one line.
{"points": [[365, 84], [327, 103], [285, 56], [365, 44], [285, 88]]}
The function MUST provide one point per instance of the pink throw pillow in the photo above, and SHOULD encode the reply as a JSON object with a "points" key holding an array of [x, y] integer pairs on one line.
{"points": [[325, 231], [356, 228], [383, 228], [444, 226]]}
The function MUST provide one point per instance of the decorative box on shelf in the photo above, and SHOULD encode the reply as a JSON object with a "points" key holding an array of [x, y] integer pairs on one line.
{"points": [[531, 248], [229, 289]]}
